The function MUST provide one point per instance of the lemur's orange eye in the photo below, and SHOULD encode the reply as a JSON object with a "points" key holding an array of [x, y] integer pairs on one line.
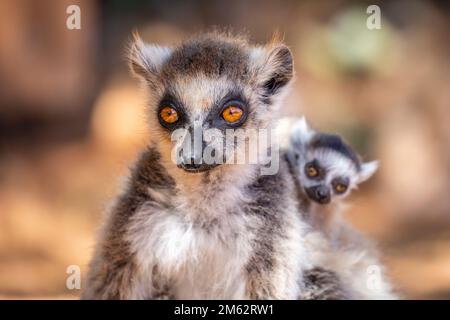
{"points": [[340, 188], [168, 114], [311, 171], [232, 114]]}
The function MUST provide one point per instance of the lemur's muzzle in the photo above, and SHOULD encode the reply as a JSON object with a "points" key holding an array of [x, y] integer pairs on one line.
{"points": [[193, 160], [319, 193], [195, 164], [191, 157], [194, 168]]}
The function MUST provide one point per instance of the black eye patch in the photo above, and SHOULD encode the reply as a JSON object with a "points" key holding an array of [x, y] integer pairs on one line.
{"points": [[232, 99], [314, 171], [171, 101], [340, 184]]}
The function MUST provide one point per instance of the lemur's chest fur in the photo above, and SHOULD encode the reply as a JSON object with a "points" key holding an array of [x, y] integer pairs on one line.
{"points": [[199, 259]]}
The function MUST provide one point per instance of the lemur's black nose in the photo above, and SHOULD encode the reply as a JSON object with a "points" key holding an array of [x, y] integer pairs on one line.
{"points": [[320, 194], [192, 161], [192, 164]]}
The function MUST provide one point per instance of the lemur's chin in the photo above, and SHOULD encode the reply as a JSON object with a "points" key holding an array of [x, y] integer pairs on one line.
{"points": [[323, 201], [197, 168]]}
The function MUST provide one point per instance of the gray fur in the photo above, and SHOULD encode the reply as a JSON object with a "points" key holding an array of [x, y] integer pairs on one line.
{"points": [[323, 284], [210, 54]]}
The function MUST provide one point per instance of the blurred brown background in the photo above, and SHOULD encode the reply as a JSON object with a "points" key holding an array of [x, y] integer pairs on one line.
{"points": [[72, 119]]}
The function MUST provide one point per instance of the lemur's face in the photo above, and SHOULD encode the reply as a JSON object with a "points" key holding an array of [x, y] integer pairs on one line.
{"points": [[327, 168], [208, 86], [327, 175]]}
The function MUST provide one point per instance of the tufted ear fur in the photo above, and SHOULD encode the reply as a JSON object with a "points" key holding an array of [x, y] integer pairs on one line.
{"points": [[274, 68], [146, 60], [301, 133], [367, 170]]}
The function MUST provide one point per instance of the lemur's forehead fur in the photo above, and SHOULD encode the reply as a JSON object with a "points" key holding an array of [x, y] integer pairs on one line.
{"points": [[202, 95], [211, 56], [333, 163], [333, 142]]}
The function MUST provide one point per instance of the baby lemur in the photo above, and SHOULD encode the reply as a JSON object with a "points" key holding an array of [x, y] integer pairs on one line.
{"points": [[326, 170], [188, 229]]}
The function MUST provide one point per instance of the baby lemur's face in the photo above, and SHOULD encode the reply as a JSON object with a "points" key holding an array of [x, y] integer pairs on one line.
{"points": [[206, 86], [327, 168], [326, 174]]}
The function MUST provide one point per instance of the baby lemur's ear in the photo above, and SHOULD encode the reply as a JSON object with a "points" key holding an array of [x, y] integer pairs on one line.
{"points": [[301, 133], [367, 170], [146, 60], [274, 67]]}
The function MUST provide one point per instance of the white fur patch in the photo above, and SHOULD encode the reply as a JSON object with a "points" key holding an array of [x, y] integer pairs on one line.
{"points": [[353, 258], [201, 263]]}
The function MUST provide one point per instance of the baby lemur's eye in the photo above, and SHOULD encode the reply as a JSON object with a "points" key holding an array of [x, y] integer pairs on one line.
{"points": [[232, 114], [168, 114], [311, 170], [340, 188], [340, 185]]}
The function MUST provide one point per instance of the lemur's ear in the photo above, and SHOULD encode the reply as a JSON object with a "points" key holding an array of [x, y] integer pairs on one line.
{"points": [[301, 132], [146, 60], [367, 170], [274, 67]]}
